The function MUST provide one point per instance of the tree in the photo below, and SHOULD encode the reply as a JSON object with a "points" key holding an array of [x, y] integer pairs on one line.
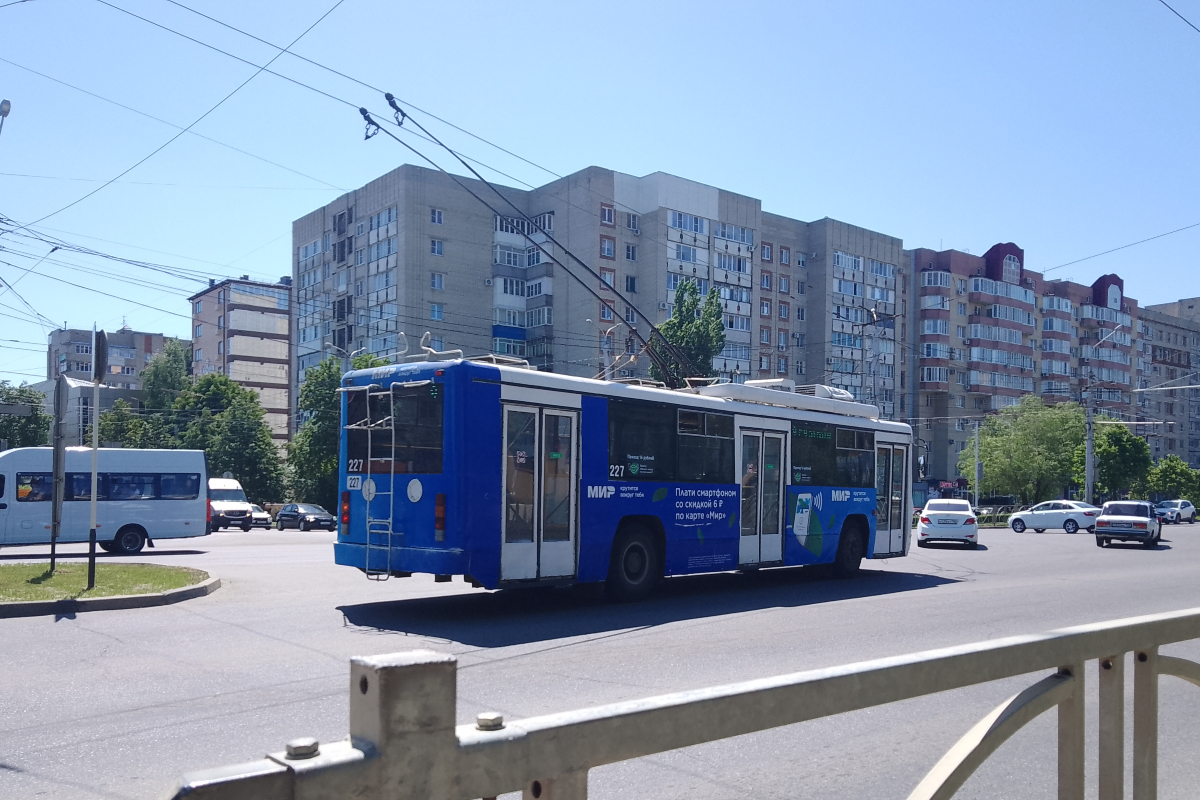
{"points": [[1122, 461], [31, 431], [1171, 478], [1027, 449], [313, 452], [226, 422], [700, 338], [120, 424], [166, 376]]}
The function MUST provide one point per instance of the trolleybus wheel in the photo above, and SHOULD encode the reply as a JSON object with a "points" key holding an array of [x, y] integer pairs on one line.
{"points": [[636, 565], [851, 547]]}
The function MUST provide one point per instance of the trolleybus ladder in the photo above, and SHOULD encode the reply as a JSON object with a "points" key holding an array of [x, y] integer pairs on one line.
{"points": [[379, 526]]}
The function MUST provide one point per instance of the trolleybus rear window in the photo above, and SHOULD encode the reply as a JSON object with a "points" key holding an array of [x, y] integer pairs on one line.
{"points": [[415, 426]]}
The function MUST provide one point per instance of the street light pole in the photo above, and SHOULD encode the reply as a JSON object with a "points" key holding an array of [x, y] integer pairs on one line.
{"points": [[5, 107]]}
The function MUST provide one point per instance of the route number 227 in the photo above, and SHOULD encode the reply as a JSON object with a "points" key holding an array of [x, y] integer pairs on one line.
{"points": [[355, 465]]}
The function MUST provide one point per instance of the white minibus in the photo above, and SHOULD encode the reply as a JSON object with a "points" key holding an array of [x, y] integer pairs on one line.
{"points": [[141, 494]]}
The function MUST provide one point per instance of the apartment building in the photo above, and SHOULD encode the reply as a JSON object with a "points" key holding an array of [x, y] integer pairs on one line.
{"points": [[69, 352], [240, 328], [1168, 355], [413, 252], [988, 332]]}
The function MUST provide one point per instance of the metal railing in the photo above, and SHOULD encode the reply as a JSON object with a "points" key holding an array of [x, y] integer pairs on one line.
{"points": [[403, 741]]}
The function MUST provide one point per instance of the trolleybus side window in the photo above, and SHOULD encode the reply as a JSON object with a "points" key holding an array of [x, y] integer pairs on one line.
{"points": [[826, 455], [647, 441], [705, 447], [416, 421], [641, 441]]}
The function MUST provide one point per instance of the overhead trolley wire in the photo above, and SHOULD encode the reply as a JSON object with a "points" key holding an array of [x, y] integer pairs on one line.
{"points": [[196, 121]]}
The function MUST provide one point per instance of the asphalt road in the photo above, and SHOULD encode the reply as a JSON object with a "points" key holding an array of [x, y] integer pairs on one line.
{"points": [[118, 704]]}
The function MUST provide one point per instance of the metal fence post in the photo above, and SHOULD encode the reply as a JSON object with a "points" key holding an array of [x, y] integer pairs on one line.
{"points": [[402, 707], [1112, 727], [1070, 738], [1145, 724], [563, 787]]}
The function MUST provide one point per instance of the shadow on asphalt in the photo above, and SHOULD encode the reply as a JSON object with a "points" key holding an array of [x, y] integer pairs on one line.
{"points": [[149, 551], [952, 546], [521, 616]]}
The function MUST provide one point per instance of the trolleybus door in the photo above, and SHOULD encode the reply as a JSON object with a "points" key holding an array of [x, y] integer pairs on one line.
{"points": [[892, 512], [901, 511], [539, 522], [762, 465]]}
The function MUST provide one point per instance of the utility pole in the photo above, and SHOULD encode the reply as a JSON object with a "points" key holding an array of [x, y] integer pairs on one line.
{"points": [[1089, 458], [99, 368], [978, 465], [59, 465]]}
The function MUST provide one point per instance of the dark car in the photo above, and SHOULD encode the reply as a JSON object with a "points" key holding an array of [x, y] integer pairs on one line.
{"points": [[304, 516]]}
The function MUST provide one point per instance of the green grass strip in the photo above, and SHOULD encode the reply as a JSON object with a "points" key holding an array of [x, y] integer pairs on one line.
{"points": [[34, 581]]}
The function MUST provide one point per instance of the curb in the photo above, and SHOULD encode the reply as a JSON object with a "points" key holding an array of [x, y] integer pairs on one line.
{"points": [[37, 608]]}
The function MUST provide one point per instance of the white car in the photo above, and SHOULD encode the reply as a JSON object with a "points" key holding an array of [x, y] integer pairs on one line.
{"points": [[1176, 511], [1067, 515], [1128, 521], [948, 521]]}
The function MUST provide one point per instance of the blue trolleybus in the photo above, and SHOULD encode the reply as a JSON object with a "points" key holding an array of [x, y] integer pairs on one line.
{"points": [[489, 469]]}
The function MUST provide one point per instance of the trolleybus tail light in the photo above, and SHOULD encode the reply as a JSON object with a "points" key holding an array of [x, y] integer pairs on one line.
{"points": [[439, 517], [345, 512]]}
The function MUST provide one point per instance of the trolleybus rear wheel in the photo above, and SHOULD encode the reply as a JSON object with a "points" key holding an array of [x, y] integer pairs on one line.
{"points": [[636, 565]]}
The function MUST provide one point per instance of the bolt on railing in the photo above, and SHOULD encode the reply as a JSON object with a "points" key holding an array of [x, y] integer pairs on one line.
{"points": [[404, 743]]}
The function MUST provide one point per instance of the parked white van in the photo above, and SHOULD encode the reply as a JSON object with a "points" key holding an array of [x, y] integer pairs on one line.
{"points": [[155, 494], [230, 508]]}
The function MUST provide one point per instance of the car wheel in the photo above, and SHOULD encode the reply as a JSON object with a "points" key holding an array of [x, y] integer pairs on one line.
{"points": [[246, 527], [1092, 529], [1071, 526], [1192, 521], [129, 540], [972, 545], [635, 566], [1099, 542], [304, 526], [1040, 530], [1150, 544], [279, 525], [851, 548], [1018, 525], [920, 542]]}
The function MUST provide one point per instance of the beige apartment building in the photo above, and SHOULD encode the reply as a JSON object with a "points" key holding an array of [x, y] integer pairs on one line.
{"points": [[1168, 355], [69, 352], [412, 252], [240, 329]]}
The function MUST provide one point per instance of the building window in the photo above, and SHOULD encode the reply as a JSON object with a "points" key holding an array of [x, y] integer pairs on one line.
{"points": [[633, 222], [606, 312], [765, 251], [784, 311], [360, 257], [220, 297], [608, 277], [435, 247], [764, 308], [631, 252], [686, 253], [608, 247], [630, 315], [783, 284], [800, 288], [766, 280], [198, 356], [199, 331], [358, 289], [962, 309], [437, 280], [220, 352], [781, 339], [781, 366], [606, 215], [197, 306], [800, 315], [631, 284], [435, 216], [764, 363], [785, 256], [436, 312], [220, 321], [764, 335]]}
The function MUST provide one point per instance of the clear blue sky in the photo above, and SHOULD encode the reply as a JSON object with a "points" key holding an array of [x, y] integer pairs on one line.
{"points": [[1067, 127]]}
